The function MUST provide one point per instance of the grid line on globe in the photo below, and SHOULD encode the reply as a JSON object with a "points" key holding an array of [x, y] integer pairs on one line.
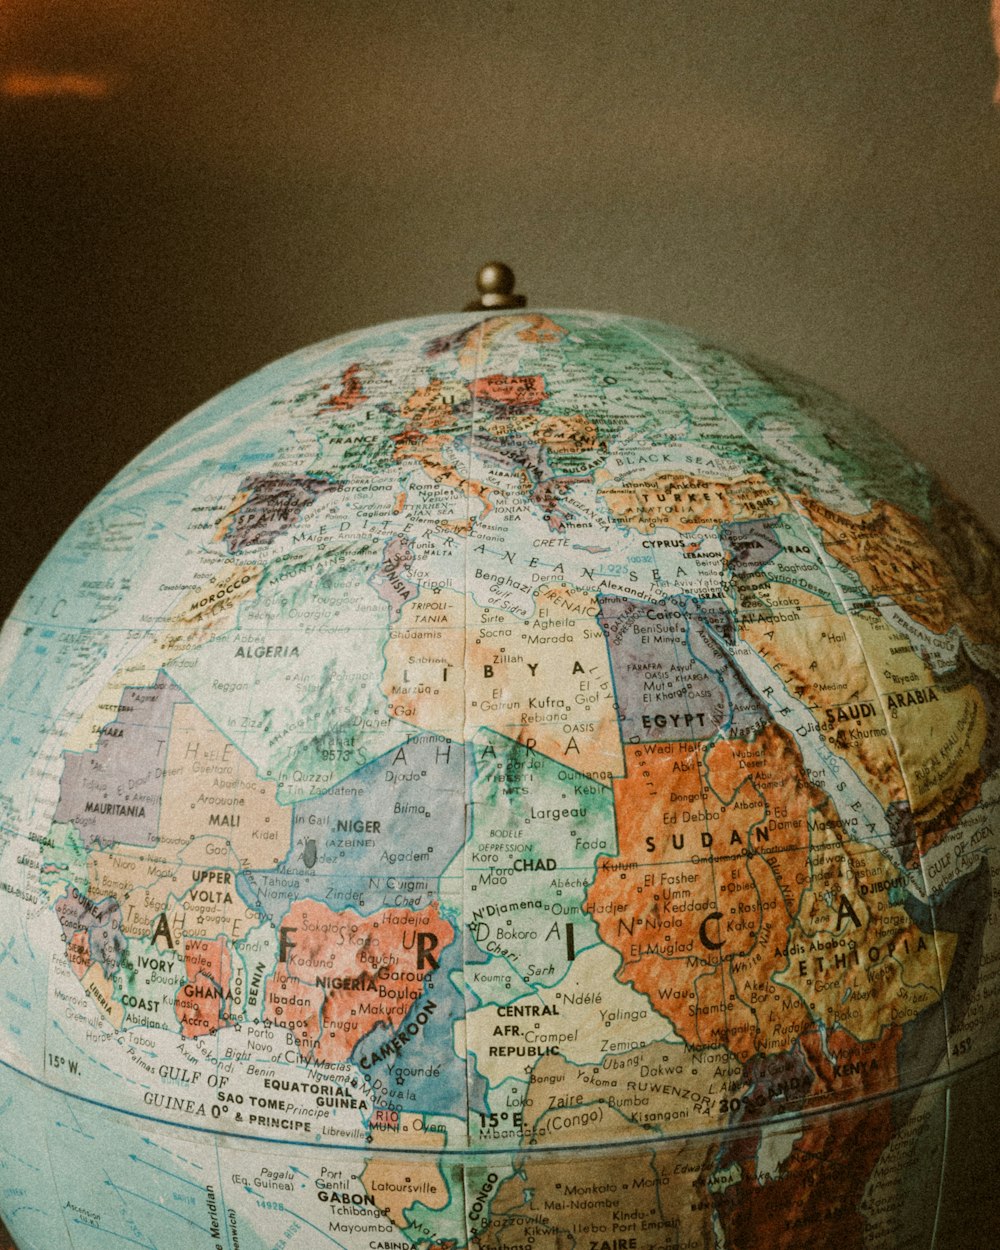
{"points": [[504, 781]]}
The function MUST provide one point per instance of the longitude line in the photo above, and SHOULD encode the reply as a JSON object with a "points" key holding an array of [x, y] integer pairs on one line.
{"points": [[468, 771]]}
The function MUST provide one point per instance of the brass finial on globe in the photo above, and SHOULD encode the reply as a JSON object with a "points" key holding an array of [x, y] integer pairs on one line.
{"points": [[495, 283]]}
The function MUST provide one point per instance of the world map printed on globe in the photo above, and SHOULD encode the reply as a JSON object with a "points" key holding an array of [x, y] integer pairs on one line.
{"points": [[510, 781]]}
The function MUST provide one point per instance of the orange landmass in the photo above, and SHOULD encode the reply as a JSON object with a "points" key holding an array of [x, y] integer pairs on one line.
{"points": [[78, 952], [343, 974], [895, 554], [538, 329], [743, 909], [566, 433], [504, 388], [351, 390], [199, 1007], [848, 1069], [713, 858], [200, 1004], [210, 958], [683, 501]]}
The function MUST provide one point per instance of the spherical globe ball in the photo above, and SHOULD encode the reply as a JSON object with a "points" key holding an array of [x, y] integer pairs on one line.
{"points": [[521, 780]]}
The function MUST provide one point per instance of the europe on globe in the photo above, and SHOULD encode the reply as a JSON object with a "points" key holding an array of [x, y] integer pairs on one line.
{"points": [[517, 780]]}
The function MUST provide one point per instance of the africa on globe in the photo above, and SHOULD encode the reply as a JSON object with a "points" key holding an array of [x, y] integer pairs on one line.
{"points": [[516, 780]]}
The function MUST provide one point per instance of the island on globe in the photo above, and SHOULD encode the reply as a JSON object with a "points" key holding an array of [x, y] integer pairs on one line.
{"points": [[523, 782]]}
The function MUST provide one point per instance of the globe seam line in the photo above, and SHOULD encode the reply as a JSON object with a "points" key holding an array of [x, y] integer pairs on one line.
{"points": [[942, 1079]]}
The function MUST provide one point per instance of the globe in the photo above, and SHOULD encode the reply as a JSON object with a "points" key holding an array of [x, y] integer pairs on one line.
{"points": [[516, 780]]}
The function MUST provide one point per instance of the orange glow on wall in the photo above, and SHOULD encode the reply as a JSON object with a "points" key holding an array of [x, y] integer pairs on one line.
{"points": [[28, 84]]}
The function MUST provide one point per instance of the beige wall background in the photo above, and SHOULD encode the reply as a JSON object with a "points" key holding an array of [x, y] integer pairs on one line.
{"points": [[190, 189]]}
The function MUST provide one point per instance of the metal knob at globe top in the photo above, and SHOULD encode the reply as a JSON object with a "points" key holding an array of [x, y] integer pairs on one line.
{"points": [[495, 282]]}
